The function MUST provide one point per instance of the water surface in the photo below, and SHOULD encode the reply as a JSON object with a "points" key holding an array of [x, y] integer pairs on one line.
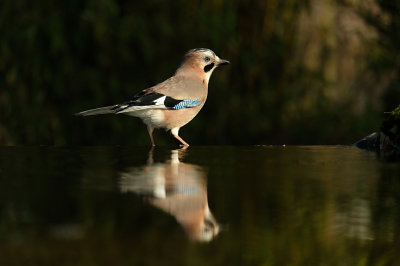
{"points": [[318, 205]]}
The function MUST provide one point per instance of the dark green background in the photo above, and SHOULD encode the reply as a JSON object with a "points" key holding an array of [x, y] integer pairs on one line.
{"points": [[302, 72]]}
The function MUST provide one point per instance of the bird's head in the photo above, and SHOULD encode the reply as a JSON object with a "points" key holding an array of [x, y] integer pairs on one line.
{"points": [[200, 62]]}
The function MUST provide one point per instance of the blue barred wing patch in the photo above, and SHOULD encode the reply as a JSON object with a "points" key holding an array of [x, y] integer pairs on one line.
{"points": [[186, 104]]}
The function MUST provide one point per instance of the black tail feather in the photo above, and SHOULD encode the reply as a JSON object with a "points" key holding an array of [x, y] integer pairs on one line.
{"points": [[98, 111]]}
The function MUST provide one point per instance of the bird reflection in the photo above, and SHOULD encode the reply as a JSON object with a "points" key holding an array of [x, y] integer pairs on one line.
{"points": [[178, 189]]}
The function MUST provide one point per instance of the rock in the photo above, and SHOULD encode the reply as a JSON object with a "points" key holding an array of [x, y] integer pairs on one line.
{"points": [[369, 143], [387, 140]]}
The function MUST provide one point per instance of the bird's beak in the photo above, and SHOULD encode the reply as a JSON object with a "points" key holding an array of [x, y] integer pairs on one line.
{"points": [[222, 62]]}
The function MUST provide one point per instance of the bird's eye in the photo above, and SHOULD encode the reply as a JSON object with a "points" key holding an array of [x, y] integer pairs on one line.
{"points": [[206, 230], [207, 58]]}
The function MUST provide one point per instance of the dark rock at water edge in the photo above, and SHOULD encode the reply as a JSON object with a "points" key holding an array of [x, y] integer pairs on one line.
{"points": [[386, 141]]}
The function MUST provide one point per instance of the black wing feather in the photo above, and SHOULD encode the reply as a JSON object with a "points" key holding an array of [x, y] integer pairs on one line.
{"points": [[171, 102], [146, 98]]}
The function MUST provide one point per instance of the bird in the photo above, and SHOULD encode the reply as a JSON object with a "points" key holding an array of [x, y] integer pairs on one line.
{"points": [[174, 102], [176, 188]]}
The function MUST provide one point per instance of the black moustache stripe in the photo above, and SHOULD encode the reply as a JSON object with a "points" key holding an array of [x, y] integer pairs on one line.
{"points": [[208, 67]]}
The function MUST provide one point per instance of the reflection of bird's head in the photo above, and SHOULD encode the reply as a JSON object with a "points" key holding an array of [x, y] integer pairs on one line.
{"points": [[201, 62], [206, 230]]}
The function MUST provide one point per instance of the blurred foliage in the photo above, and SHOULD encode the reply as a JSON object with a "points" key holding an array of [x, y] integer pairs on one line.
{"points": [[391, 128], [300, 70], [384, 58], [396, 112]]}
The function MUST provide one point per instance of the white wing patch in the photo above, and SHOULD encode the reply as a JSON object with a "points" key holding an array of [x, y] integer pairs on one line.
{"points": [[158, 104], [160, 101]]}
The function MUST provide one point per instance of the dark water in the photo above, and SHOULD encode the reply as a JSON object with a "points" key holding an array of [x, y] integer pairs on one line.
{"points": [[321, 205]]}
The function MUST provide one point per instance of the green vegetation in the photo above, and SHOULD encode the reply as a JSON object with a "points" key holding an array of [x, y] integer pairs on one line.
{"points": [[303, 72], [391, 128], [396, 112]]}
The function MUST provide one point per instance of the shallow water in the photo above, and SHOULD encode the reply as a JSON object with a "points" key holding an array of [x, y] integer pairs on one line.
{"points": [[311, 205]]}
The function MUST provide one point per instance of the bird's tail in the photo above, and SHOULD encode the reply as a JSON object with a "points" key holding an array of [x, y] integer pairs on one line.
{"points": [[98, 111]]}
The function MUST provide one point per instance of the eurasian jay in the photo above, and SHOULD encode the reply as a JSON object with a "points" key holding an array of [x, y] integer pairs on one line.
{"points": [[176, 101]]}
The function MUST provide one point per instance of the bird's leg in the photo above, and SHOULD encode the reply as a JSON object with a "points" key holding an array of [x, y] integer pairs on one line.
{"points": [[174, 132], [150, 159], [150, 130], [184, 143]]}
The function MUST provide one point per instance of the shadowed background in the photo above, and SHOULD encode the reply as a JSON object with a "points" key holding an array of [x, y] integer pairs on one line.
{"points": [[302, 72]]}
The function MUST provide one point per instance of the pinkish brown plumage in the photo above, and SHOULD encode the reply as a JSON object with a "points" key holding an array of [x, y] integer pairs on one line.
{"points": [[176, 101]]}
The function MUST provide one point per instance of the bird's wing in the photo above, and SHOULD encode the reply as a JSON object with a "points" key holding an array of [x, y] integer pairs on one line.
{"points": [[150, 99], [173, 94]]}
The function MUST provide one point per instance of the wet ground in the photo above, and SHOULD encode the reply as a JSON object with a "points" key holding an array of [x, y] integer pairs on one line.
{"points": [[311, 205]]}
